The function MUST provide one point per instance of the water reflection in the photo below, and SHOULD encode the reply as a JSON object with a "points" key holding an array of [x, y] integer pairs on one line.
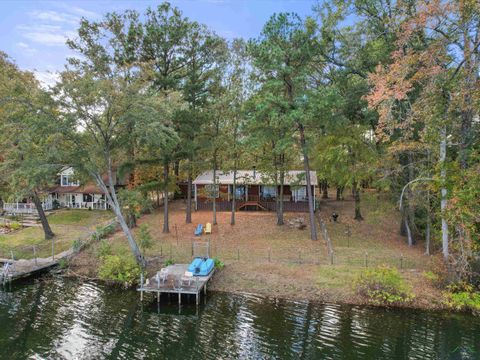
{"points": [[56, 318]]}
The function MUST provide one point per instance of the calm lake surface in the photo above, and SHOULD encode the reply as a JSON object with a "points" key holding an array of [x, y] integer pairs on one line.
{"points": [[53, 318]]}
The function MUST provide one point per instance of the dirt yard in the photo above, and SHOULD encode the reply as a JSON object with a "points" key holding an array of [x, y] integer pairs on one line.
{"points": [[282, 261]]}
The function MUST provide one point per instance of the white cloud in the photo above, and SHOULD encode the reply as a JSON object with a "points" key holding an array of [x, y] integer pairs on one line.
{"points": [[47, 78], [44, 38], [26, 49], [54, 16]]}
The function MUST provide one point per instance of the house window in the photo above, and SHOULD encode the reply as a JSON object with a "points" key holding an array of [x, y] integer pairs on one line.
{"points": [[269, 192], [301, 193], [67, 180]]}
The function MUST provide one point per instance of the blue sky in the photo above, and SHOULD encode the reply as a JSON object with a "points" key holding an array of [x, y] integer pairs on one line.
{"points": [[33, 33]]}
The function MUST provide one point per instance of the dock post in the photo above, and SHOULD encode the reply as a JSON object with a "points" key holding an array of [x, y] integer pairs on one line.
{"points": [[141, 286], [158, 297], [179, 298], [197, 298], [205, 289]]}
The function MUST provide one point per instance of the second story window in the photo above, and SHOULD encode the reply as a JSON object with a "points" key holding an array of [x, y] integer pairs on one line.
{"points": [[67, 180]]}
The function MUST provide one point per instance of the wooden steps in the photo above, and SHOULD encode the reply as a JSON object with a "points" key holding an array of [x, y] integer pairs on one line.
{"points": [[251, 203]]}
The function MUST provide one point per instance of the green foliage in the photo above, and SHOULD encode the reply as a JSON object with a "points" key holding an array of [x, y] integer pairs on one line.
{"points": [[169, 262], [63, 263], [104, 249], [15, 226], [77, 245], [383, 285], [145, 240], [432, 277], [103, 231], [133, 204], [120, 269], [463, 297], [218, 263]]}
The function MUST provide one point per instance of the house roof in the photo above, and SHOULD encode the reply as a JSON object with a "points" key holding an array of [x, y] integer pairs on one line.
{"points": [[292, 177], [87, 189]]}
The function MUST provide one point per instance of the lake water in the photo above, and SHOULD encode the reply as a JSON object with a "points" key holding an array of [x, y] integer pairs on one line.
{"points": [[53, 318]]}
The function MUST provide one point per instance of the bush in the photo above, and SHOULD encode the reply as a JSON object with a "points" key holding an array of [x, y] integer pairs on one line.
{"points": [[383, 285], [77, 245], [63, 263], [103, 231], [218, 263], [15, 226], [169, 262], [463, 297], [104, 249], [145, 240], [121, 269]]}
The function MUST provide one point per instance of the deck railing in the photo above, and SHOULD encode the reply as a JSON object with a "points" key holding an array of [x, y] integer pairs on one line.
{"points": [[25, 208]]}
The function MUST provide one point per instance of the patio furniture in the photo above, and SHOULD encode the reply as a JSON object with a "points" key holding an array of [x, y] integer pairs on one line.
{"points": [[198, 230], [187, 278], [161, 276], [208, 228]]}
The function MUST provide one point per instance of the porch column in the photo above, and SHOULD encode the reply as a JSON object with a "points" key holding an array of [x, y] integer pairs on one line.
{"points": [[246, 192], [228, 192], [195, 191]]}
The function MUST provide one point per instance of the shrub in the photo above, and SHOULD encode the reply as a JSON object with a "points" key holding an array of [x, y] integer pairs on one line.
{"points": [[77, 245], [104, 249], [15, 226], [103, 231], [63, 263], [463, 297], [121, 269], [169, 262], [383, 285], [218, 263], [144, 238]]}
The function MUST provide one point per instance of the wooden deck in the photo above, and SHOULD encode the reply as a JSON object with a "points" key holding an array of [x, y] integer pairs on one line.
{"points": [[173, 285], [25, 268]]}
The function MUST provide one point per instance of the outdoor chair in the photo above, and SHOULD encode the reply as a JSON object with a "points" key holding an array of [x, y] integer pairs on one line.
{"points": [[187, 278], [208, 228], [161, 276]]}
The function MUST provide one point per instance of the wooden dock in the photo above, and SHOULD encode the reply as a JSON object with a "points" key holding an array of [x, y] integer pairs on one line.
{"points": [[20, 269], [173, 284]]}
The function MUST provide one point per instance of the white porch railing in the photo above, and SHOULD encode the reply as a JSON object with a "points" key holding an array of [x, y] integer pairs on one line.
{"points": [[24, 208], [85, 205]]}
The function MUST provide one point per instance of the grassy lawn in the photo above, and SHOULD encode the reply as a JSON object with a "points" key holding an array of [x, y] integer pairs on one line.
{"points": [[68, 225], [276, 260]]}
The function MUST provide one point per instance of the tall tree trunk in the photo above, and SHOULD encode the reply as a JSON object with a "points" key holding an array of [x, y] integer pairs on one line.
{"points": [[306, 168], [324, 189], [410, 216], [214, 205], [234, 191], [166, 228], [339, 193], [356, 196], [443, 201], [280, 220], [428, 229], [188, 215], [112, 200], [43, 218]]}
